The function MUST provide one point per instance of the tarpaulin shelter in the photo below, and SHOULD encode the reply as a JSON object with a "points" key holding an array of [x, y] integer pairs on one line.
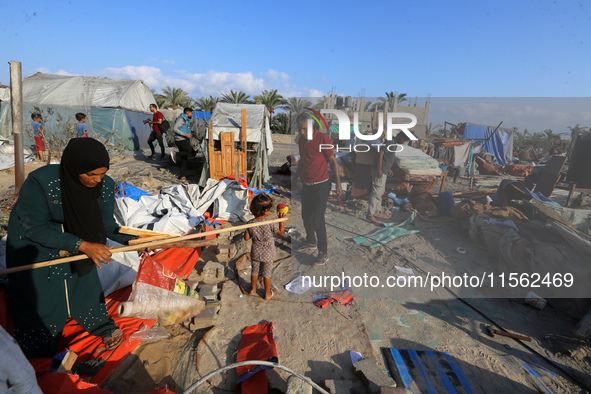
{"points": [[499, 143], [109, 104], [227, 118]]}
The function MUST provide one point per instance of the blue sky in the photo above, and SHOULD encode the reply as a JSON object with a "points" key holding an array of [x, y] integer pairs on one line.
{"points": [[305, 48]]}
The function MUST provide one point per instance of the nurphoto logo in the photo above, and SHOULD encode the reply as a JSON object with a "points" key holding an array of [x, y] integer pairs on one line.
{"points": [[345, 127]]}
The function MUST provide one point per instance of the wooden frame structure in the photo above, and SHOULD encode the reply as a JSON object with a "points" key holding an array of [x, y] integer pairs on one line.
{"points": [[230, 159]]}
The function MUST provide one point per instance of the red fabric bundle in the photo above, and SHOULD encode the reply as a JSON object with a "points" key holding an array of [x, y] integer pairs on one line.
{"points": [[257, 343]]}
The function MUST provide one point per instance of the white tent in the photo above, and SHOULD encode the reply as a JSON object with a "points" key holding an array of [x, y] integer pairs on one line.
{"points": [[109, 104], [228, 118]]}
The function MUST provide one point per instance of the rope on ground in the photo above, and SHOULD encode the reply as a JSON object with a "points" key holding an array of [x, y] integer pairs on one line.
{"points": [[547, 359], [253, 362]]}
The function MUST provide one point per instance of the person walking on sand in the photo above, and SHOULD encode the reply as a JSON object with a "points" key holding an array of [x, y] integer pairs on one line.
{"points": [[262, 252], [313, 171], [156, 134], [182, 140]]}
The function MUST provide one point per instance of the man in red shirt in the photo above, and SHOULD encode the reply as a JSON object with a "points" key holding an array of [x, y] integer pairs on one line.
{"points": [[156, 134], [313, 171]]}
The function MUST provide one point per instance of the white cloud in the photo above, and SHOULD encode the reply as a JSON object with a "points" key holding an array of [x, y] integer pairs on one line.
{"points": [[213, 83], [166, 61]]}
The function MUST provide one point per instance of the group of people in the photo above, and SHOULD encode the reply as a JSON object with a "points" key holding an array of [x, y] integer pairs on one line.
{"points": [[182, 137], [67, 209], [39, 132], [313, 172]]}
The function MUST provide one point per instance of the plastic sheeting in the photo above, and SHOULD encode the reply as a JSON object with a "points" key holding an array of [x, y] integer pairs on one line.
{"points": [[109, 104], [121, 270], [4, 94], [228, 117], [179, 208], [173, 213], [416, 162], [131, 132], [85, 91], [500, 144]]}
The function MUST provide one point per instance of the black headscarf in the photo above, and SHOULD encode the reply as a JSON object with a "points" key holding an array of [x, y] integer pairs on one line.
{"points": [[80, 203]]}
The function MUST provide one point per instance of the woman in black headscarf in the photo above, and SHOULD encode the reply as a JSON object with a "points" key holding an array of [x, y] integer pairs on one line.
{"points": [[61, 210]]}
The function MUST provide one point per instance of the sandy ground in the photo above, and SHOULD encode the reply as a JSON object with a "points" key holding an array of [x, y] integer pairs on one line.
{"points": [[316, 342]]}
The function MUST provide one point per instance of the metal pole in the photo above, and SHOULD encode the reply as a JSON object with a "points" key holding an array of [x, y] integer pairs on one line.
{"points": [[16, 93]]}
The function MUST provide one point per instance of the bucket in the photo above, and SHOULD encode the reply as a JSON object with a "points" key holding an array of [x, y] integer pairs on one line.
{"points": [[446, 203]]}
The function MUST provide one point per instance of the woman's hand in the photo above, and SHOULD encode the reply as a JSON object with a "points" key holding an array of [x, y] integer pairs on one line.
{"points": [[98, 253], [281, 214]]}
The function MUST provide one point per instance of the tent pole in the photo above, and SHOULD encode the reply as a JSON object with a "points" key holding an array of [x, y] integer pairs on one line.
{"points": [[16, 93]]}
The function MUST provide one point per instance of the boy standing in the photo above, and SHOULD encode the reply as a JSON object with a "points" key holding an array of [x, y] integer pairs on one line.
{"points": [[39, 134], [81, 130]]}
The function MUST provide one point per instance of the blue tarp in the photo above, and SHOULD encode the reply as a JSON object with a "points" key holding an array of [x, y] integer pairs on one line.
{"points": [[501, 200], [201, 115], [500, 145], [128, 190]]}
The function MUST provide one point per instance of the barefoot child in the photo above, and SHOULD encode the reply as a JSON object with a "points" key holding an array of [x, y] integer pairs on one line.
{"points": [[262, 252], [39, 134]]}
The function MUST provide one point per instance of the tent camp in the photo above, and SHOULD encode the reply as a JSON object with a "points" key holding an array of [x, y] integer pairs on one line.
{"points": [[109, 104], [226, 120], [499, 143]]}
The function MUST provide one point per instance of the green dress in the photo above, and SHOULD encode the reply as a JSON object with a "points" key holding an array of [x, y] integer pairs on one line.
{"points": [[43, 298]]}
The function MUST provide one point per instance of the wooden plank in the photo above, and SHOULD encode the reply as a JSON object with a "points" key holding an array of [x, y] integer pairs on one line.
{"points": [[150, 239], [243, 146], [210, 148], [141, 246], [550, 175], [140, 232]]}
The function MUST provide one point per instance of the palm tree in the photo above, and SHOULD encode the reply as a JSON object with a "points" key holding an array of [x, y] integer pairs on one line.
{"points": [[236, 98], [390, 98], [576, 131], [432, 131], [367, 106], [160, 99], [176, 97], [321, 102], [206, 104], [271, 100], [550, 135], [280, 123], [296, 105]]}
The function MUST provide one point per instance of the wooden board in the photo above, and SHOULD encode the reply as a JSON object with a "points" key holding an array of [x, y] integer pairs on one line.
{"points": [[229, 159], [550, 175]]}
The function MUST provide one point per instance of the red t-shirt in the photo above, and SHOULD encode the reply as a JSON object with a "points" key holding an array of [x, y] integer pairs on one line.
{"points": [[157, 116], [313, 161]]}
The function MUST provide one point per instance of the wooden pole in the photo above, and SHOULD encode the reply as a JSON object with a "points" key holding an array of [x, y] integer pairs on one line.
{"points": [[131, 248], [16, 93]]}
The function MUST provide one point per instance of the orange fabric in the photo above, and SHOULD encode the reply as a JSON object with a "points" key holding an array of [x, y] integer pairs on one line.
{"points": [[179, 260], [257, 343], [86, 346], [64, 383]]}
